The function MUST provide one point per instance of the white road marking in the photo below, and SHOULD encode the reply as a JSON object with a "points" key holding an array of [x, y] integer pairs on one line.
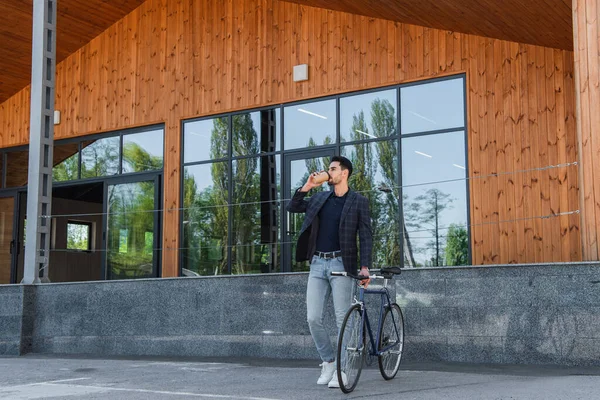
{"points": [[61, 381], [48, 390], [206, 395], [42, 390]]}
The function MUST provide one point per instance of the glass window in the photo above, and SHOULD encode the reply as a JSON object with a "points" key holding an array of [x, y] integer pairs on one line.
{"points": [[205, 219], [79, 236], [130, 218], [255, 214], [366, 116], [432, 106], [374, 176], [17, 168], [205, 140], [66, 162], [255, 132], [100, 157], [434, 200], [143, 151], [310, 124]]}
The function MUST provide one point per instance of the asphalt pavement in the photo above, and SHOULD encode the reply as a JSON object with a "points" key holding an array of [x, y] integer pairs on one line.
{"points": [[69, 378]]}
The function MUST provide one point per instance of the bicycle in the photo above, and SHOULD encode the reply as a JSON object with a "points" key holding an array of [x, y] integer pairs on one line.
{"points": [[352, 342]]}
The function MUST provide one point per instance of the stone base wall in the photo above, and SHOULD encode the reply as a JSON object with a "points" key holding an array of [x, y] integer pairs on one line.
{"points": [[524, 314]]}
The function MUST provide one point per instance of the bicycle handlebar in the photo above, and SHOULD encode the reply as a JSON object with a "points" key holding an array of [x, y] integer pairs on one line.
{"points": [[388, 273]]}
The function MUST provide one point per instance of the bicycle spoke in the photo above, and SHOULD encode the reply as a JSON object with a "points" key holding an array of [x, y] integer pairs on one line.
{"points": [[391, 342], [351, 350]]}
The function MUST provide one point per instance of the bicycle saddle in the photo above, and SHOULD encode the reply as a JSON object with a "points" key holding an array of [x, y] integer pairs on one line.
{"points": [[391, 270]]}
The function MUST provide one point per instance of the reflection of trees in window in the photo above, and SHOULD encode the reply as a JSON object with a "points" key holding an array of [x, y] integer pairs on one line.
{"points": [[130, 226], [424, 214], [219, 194], [383, 195], [363, 176], [457, 245], [314, 165], [78, 236], [202, 238], [137, 159], [67, 169], [383, 120], [100, 158], [206, 213], [246, 185]]}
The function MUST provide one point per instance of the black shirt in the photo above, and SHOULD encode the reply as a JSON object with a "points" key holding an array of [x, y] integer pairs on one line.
{"points": [[329, 223]]}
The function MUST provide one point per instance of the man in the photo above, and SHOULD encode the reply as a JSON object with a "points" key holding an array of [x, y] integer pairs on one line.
{"points": [[328, 239]]}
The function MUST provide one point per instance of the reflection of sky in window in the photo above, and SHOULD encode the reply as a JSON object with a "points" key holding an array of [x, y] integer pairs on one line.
{"points": [[197, 143], [150, 141], [352, 105], [434, 158], [202, 176], [303, 121], [432, 106]]}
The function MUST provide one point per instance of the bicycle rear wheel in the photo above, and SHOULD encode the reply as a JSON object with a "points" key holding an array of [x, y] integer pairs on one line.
{"points": [[351, 349], [392, 340]]}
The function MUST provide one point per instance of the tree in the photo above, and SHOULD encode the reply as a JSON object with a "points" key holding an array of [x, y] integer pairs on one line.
{"points": [[67, 169], [383, 120], [363, 176], [100, 158], [246, 185], [219, 194], [427, 210], [457, 245]]}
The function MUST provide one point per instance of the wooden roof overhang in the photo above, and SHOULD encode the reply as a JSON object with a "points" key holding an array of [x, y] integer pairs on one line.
{"points": [[78, 22], [541, 22], [545, 23]]}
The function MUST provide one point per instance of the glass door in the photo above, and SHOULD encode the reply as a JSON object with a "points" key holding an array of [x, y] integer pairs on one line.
{"points": [[132, 231], [298, 167]]}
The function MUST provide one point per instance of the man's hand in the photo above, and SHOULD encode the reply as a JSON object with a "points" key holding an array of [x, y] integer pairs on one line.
{"points": [[310, 183], [364, 271]]}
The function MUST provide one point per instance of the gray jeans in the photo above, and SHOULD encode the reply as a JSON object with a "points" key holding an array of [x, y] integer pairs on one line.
{"points": [[320, 286]]}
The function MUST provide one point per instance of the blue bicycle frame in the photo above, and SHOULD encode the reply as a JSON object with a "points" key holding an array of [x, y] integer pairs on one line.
{"points": [[385, 303]]}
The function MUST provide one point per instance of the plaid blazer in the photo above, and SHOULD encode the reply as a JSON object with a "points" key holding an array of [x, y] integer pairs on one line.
{"points": [[356, 219]]}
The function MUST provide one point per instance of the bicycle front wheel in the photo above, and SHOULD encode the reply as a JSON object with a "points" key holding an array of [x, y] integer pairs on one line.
{"points": [[391, 342], [351, 349]]}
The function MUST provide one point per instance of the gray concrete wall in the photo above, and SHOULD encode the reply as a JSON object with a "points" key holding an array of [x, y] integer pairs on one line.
{"points": [[11, 319], [532, 314]]}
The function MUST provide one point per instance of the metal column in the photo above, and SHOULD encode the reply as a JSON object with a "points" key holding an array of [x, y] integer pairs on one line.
{"points": [[41, 138]]}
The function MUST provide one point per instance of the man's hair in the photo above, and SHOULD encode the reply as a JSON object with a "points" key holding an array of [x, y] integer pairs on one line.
{"points": [[344, 163]]}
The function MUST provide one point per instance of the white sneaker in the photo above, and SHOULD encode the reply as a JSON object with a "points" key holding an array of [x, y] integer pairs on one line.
{"points": [[327, 371], [334, 383]]}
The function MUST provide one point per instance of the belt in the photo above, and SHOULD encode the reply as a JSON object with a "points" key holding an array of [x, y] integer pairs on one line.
{"points": [[328, 254]]}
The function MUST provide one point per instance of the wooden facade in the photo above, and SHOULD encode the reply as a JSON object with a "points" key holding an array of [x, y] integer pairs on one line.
{"points": [[587, 67], [174, 59]]}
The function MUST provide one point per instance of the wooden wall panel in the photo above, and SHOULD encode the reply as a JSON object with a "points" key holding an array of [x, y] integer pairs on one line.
{"points": [[586, 18], [173, 59]]}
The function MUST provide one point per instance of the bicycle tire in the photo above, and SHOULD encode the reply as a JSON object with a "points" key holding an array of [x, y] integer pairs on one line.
{"points": [[389, 362], [351, 349]]}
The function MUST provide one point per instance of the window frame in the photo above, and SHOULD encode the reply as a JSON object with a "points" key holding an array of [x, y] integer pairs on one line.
{"points": [[281, 150]]}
